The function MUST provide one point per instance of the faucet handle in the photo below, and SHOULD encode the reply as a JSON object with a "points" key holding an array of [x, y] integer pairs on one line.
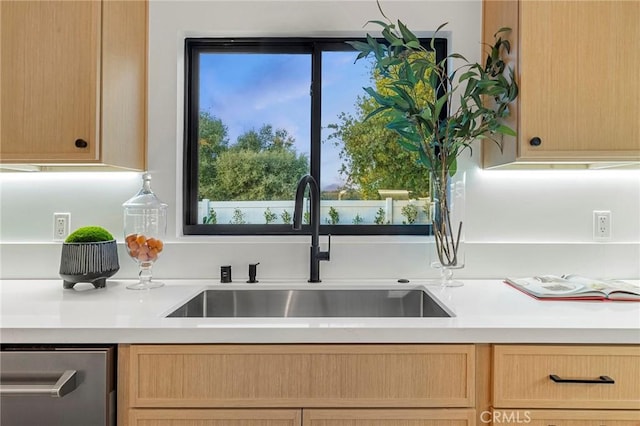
{"points": [[325, 255], [252, 272]]}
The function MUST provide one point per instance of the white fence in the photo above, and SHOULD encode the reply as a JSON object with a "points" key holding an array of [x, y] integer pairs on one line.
{"points": [[362, 212]]}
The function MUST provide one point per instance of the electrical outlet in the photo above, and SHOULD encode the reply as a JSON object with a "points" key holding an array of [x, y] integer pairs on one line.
{"points": [[601, 225], [61, 226]]}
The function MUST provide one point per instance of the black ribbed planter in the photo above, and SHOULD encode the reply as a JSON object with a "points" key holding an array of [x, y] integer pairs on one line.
{"points": [[88, 263]]}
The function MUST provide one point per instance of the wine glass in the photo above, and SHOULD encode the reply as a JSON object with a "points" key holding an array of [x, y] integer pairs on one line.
{"points": [[446, 275]]}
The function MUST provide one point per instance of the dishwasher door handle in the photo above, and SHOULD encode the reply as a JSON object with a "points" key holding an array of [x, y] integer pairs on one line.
{"points": [[65, 384]]}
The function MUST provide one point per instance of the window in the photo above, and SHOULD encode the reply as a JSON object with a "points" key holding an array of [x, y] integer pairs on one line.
{"points": [[261, 113]]}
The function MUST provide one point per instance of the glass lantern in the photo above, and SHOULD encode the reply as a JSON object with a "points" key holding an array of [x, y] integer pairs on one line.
{"points": [[145, 227]]}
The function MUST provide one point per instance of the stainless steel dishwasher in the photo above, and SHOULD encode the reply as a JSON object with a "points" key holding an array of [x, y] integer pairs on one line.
{"points": [[56, 386]]}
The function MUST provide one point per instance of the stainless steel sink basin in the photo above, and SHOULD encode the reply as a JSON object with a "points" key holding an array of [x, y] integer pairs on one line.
{"points": [[278, 303]]}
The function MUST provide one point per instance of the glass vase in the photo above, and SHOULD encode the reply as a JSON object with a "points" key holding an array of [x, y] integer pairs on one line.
{"points": [[448, 208], [145, 227]]}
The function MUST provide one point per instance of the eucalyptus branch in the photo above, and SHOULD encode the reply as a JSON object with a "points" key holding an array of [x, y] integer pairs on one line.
{"points": [[406, 63]]}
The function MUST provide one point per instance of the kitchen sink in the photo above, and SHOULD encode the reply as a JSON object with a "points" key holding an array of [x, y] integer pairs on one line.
{"points": [[311, 303]]}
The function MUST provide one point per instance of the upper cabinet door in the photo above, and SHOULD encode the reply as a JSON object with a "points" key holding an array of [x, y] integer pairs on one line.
{"points": [[74, 83], [577, 65], [50, 90], [579, 77]]}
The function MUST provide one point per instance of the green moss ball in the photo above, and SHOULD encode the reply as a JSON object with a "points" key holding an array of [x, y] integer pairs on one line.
{"points": [[89, 234]]}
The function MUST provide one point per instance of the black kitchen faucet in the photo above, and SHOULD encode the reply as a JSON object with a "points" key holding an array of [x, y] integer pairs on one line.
{"points": [[315, 255]]}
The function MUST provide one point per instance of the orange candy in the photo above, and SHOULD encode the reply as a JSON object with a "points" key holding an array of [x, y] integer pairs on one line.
{"points": [[151, 242], [142, 248], [153, 254]]}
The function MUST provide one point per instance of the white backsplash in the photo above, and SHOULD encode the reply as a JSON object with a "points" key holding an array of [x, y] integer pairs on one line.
{"points": [[517, 222]]}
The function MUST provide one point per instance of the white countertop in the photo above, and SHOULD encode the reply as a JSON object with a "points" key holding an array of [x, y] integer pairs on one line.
{"points": [[486, 311]]}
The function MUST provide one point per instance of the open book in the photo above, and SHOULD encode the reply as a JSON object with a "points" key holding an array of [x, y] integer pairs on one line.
{"points": [[575, 287]]}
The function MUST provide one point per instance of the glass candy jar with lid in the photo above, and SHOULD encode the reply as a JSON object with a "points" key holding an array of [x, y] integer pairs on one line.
{"points": [[145, 227]]}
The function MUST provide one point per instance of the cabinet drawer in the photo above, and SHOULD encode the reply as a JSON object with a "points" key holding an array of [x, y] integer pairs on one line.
{"points": [[522, 376], [389, 417], [565, 418], [199, 417], [302, 375]]}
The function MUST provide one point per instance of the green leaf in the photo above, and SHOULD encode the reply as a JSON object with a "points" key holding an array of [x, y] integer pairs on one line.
{"points": [[408, 146], [471, 87], [400, 104], [409, 135], [414, 44], [376, 112], [420, 68], [381, 23], [406, 83], [426, 114], [361, 55], [408, 100], [391, 38], [360, 46], [506, 130], [398, 124], [466, 75], [411, 75], [452, 165], [407, 35], [372, 42], [424, 159], [433, 80], [425, 125], [433, 39], [502, 30], [381, 100], [439, 104], [441, 27], [457, 56]]}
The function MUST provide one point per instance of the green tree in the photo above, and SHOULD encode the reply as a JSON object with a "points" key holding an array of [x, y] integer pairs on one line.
{"points": [[334, 216], [409, 211], [238, 217], [286, 217], [269, 216], [264, 139], [380, 217], [249, 141], [261, 165], [372, 158], [212, 141], [245, 175]]}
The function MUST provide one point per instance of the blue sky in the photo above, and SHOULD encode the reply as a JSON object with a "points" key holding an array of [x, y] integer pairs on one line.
{"points": [[248, 90]]}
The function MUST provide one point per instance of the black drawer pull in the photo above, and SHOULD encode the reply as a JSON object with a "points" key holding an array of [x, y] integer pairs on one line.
{"points": [[604, 380], [536, 141], [81, 143]]}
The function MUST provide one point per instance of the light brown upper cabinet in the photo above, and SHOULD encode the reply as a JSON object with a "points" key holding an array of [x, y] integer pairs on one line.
{"points": [[577, 67], [73, 83]]}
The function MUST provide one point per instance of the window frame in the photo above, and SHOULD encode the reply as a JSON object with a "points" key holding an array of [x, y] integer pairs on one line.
{"points": [[313, 46]]}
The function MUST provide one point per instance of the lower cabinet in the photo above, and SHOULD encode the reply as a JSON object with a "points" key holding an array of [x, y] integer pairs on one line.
{"points": [[389, 417], [565, 417], [379, 385], [310, 385], [196, 417], [565, 385], [304, 417]]}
